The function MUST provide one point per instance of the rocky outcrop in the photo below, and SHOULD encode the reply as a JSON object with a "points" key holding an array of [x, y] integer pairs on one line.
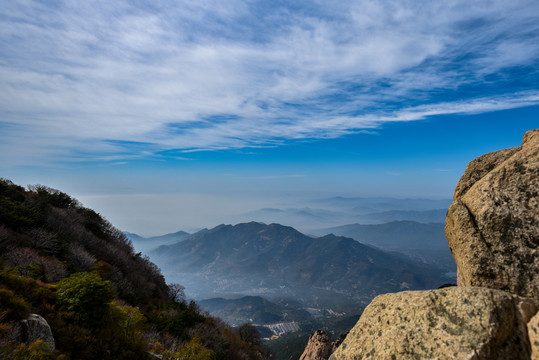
{"points": [[319, 347], [451, 323], [32, 329], [492, 225], [493, 231]]}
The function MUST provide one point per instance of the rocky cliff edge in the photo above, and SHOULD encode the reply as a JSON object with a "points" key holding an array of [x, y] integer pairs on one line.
{"points": [[493, 231]]}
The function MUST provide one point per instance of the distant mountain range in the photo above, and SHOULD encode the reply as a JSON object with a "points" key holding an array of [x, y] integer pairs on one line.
{"points": [[422, 216], [278, 261], [424, 242], [339, 211], [311, 219], [146, 244], [378, 204]]}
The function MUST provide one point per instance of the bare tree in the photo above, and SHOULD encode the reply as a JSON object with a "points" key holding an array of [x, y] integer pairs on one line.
{"points": [[176, 292]]}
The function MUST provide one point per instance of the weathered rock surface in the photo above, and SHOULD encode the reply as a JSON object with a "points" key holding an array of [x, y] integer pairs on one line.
{"points": [[533, 333], [492, 226], [32, 329], [319, 347], [451, 323]]}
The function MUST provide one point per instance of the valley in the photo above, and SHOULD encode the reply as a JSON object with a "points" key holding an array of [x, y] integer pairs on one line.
{"points": [[288, 283]]}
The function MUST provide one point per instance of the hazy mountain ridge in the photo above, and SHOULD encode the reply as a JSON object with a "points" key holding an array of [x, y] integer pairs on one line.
{"points": [[258, 259], [340, 211], [421, 216], [426, 242], [146, 244], [378, 204]]}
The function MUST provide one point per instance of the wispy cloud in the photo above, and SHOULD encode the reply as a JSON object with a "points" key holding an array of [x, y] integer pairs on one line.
{"points": [[95, 80]]}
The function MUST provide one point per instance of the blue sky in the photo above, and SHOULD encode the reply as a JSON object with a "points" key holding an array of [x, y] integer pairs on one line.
{"points": [[164, 115]]}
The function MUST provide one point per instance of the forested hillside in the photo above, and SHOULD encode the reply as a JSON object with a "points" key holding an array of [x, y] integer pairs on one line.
{"points": [[102, 300]]}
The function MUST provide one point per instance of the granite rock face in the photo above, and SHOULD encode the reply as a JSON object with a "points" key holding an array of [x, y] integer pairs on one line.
{"points": [[319, 347], [492, 226], [451, 323]]}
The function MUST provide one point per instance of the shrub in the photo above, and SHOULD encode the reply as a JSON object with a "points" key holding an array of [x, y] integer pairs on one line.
{"points": [[129, 319], [30, 264], [35, 351], [34, 292], [85, 294], [14, 307]]}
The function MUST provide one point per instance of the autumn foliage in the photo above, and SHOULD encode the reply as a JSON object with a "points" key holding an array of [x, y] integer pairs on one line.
{"points": [[101, 299]]}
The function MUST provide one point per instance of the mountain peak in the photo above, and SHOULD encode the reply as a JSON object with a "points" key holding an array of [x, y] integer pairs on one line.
{"points": [[257, 259]]}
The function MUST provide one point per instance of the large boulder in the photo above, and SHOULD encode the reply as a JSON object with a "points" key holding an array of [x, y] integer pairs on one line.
{"points": [[492, 226], [32, 329], [450, 323], [37, 328]]}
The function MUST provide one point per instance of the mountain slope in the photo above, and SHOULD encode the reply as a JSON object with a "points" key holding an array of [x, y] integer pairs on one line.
{"points": [[425, 242], [255, 258], [95, 295]]}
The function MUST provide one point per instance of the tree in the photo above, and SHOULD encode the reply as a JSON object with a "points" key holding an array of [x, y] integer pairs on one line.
{"points": [[54, 197], [194, 350], [249, 334], [85, 294], [129, 319], [176, 292]]}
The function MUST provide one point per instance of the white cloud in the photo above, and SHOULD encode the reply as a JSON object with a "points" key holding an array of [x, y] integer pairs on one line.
{"points": [[210, 74]]}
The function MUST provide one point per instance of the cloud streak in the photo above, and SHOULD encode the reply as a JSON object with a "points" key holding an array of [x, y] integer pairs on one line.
{"points": [[97, 80]]}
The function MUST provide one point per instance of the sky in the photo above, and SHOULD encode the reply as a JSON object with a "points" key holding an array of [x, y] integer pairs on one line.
{"points": [[167, 115]]}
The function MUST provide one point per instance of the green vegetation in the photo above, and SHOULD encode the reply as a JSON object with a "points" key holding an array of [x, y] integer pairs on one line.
{"points": [[86, 295], [101, 299]]}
